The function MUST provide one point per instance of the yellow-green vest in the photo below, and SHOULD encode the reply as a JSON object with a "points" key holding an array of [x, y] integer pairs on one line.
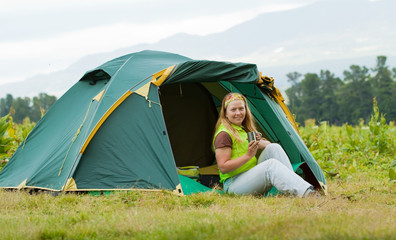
{"points": [[238, 149]]}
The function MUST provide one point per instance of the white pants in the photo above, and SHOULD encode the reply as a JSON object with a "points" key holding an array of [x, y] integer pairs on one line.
{"points": [[273, 169]]}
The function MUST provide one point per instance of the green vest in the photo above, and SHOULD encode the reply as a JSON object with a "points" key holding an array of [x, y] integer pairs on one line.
{"points": [[238, 149]]}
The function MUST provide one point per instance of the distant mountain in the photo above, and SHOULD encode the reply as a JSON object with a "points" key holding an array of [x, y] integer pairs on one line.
{"points": [[329, 35]]}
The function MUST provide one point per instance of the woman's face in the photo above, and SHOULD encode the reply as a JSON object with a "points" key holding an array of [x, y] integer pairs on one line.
{"points": [[235, 112]]}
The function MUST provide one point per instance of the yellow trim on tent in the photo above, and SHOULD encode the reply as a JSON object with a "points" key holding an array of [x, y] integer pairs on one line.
{"points": [[102, 119], [115, 189], [22, 184], [159, 77], [75, 136], [84, 190], [70, 185], [178, 191], [268, 83], [279, 98], [144, 91], [323, 186], [41, 188], [99, 96]]}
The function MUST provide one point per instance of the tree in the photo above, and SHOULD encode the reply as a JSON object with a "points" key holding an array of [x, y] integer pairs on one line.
{"points": [[42, 102], [356, 96], [2, 107], [329, 108], [26, 107], [5, 105], [22, 108], [311, 98], [294, 92], [347, 100], [382, 84]]}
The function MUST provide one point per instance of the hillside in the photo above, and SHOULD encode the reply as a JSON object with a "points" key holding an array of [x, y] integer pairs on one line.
{"points": [[328, 35]]}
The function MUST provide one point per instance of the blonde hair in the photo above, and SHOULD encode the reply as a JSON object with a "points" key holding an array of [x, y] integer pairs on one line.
{"points": [[248, 123]]}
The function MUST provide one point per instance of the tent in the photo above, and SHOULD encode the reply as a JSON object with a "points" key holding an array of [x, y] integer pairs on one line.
{"points": [[129, 123]]}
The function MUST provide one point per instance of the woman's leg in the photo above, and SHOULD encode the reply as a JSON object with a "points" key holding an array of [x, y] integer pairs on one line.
{"points": [[274, 150], [261, 178]]}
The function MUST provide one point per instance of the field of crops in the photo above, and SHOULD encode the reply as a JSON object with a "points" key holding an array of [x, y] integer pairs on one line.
{"points": [[358, 161]]}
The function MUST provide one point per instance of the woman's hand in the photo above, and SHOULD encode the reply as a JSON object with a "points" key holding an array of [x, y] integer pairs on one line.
{"points": [[263, 143], [258, 136], [223, 157], [252, 149]]}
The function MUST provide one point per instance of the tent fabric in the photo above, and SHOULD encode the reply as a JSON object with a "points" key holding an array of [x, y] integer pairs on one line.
{"points": [[112, 157], [130, 122]]}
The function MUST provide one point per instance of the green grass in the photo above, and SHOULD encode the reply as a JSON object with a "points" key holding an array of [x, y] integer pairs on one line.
{"points": [[361, 201], [362, 206]]}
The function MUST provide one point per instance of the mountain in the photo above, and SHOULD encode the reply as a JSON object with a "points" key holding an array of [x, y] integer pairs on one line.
{"points": [[329, 35]]}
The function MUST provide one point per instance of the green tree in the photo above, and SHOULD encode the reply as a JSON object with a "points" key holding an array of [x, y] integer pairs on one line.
{"points": [[5, 140], [25, 107], [311, 98], [42, 102], [2, 107], [5, 104], [329, 108], [326, 97], [383, 87], [294, 92], [356, 95], [22, 108]]}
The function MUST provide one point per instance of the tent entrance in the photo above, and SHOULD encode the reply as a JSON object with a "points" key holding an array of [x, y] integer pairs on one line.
{"points": [[190, 117]]}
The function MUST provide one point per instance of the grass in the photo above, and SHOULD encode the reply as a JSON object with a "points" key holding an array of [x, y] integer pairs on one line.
{"points": [[361, 201], [362, 206]]}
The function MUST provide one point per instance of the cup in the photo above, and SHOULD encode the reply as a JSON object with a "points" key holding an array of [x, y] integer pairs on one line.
{"points": [[251, 136]]}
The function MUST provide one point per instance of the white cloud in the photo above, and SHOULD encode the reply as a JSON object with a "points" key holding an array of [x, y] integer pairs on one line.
{"points": [[123, 34], [278, 50], [60, 49], [366, 48]]}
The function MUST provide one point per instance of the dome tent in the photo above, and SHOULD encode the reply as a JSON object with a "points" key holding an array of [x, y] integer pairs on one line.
{"points": [[129, 123]]}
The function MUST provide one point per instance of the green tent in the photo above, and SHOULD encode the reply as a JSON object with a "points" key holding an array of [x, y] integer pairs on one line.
{"points": [[129, 123]]}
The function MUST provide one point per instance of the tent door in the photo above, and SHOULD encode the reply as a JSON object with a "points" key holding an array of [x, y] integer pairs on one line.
{"points": [[190, 117]]}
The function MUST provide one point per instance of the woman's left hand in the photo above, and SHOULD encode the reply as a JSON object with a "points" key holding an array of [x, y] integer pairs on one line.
{"points": [[263, 143], [258, 136]]}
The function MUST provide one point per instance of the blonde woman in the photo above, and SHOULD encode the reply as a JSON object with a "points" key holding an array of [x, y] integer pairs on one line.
{"points": [[240, 171]]}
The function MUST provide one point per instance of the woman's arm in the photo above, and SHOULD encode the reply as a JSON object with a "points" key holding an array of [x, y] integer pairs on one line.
{"points": [[223, 157]]}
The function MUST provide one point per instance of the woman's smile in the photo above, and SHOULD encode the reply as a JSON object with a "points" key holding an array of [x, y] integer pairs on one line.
{"points": [[235, 112]]}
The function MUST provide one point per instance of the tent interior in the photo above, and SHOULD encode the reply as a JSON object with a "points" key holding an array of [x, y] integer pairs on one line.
{"points": [[190, 112]]}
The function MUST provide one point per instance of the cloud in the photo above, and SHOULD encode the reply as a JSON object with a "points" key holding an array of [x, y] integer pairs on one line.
{"points": [[58, 33], [108, 37]]}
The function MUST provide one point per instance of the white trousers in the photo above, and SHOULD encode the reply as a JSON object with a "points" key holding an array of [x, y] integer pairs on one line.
{"points": [[273, 169]]}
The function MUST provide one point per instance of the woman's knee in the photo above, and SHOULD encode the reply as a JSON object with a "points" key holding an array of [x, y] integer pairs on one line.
{"points": [[270, 163], [274, 146]]}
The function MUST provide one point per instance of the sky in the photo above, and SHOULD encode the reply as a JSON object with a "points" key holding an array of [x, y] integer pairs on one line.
{"points": [[44, 36]]}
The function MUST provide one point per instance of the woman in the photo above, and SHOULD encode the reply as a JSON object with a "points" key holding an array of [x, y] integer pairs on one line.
{"points": [[240, 171]]}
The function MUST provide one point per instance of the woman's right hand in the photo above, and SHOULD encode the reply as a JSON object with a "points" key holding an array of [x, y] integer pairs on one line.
{"points": [[252, 149]]}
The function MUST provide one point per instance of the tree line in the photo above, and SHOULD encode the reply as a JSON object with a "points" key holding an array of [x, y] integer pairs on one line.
{"points": [[325, 97], [21, 108]]}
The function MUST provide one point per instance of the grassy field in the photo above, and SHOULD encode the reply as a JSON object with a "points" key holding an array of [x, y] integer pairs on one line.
{"points": [[362, 206], [361, 201]]}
